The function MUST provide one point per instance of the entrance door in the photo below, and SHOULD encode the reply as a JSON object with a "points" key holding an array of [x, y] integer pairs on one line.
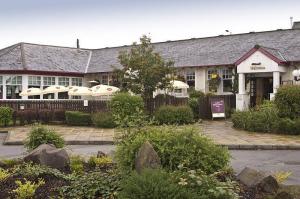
{"points": [[260, 89]]}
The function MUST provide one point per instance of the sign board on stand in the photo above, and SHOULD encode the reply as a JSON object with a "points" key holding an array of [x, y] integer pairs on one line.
{"points": [[217, 107]]}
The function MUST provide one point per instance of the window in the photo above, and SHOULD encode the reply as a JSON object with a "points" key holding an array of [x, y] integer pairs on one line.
{"points": [[49, 81], [227, 80], [13, 87], [63, 81], [76, 81], [34, 81], [190, 78], [210, 72], [1, 80], [14, 80], [104, 79]]}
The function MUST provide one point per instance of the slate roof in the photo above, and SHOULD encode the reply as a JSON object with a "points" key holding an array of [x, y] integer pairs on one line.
{"points": [[24, 56], [209, 51]]}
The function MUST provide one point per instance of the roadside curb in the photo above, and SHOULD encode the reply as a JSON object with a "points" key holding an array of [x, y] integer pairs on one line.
{"points": [[262, 147]]}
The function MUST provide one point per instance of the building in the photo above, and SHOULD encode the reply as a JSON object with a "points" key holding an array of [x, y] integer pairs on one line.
{"points": [[262, 61]]}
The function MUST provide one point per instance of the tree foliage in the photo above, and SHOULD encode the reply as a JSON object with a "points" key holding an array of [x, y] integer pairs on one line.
{"points": [[144, 70]]}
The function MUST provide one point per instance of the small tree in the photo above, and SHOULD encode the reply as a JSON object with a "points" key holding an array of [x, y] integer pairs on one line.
{"points": [[144, 70]]}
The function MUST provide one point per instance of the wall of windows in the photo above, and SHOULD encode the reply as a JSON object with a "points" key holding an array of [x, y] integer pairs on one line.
{"points": [[13, 87], [226, 76], [76, 81]]}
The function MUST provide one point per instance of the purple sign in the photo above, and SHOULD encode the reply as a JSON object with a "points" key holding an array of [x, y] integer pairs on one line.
{"points": [[217, 107]]}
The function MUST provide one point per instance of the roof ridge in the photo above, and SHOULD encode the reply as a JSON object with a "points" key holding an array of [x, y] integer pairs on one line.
{"points": [[55, 46], [12, 47]]}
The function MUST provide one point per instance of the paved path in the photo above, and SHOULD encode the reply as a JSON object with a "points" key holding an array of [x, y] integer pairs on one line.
{"points": [[19, 150], [72, 135], [270, 161], [220, 131], [223, 134]]}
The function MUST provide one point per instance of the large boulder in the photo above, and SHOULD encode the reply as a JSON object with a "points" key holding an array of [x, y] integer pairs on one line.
{"points": [[147, 157], [50, 156], [250, 177], [258, 180]]}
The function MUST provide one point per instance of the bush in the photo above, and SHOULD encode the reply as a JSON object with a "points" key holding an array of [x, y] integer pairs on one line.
{"points": [[287, 126], [41, 135], [92, 185], [76, 164], [174, 115], [153, 184], [127, 110], [176, 147], [287, 100], [196, 94], [27, 189], [6, 115], [103, 120], [194, 105], [261, 119], [4, 174], [77, 118], [100, 162]]}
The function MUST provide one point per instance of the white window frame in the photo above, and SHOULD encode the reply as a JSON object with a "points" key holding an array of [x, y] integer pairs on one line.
{"points": [[15, 80], [64, 81], [76, 81], [224, 75], [34, 81], [49, 80]]}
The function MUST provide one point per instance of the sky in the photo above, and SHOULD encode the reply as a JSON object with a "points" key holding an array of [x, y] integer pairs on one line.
{"points": [[108, 23]]}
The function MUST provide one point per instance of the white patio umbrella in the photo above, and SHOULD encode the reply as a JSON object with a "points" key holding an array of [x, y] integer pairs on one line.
{"points": [[31, 92], [179, 84], [104, 90], [80, 91], [55, 89]]}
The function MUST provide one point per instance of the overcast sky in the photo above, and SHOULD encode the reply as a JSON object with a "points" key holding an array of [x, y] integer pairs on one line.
{"points": [[106, 23]]}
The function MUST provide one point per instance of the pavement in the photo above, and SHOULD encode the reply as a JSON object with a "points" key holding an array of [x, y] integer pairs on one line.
{"points": [[220, 131]]}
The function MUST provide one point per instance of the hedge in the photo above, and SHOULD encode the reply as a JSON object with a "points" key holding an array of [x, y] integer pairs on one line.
{"points": [[77, 118], [174, 115]]}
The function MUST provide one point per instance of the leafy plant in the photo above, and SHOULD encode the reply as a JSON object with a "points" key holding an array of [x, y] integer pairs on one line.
{"points": [[76, 164], [4, 174], [214, 82], [27, 189], [282, 176], [77, 118], [42, 135], [99, 162], [174, 115], [153, 184], [127, 110], [6, 115], [287, 100], [206, 186], [175, 146], [104, 120], [11, 162], [92, 185]]}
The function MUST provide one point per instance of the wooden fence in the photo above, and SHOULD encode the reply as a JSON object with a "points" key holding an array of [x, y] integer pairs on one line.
{"points": [[78, 105], [205, 107]]}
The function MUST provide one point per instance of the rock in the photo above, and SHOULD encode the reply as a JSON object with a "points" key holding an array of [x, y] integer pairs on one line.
{"points": [[283, 195], [250, 177], [100, 154], [49, 155], [268, 185], [147, 157]]}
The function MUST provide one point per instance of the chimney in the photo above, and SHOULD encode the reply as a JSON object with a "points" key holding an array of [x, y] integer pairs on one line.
{"points": [[78, 46], [296, 25]]}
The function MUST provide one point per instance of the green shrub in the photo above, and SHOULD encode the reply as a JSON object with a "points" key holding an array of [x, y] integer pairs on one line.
{"points": [[4, 174], [194, 104], [287, 126], [77, 118], [76, 164], [103, 120], [127, 110], [27, 189], [153, 184], [6, 115], [176, 147], [196, 94], [99, 162], [42, 135], [261, 119], [174, 115], [287, 99], [206, 186], [92, 185]]}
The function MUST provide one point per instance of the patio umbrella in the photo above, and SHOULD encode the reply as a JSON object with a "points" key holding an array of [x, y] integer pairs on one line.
{"points": [[55, 89], [179, 84], [31, 92], [102, 90], [80, 91]]}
